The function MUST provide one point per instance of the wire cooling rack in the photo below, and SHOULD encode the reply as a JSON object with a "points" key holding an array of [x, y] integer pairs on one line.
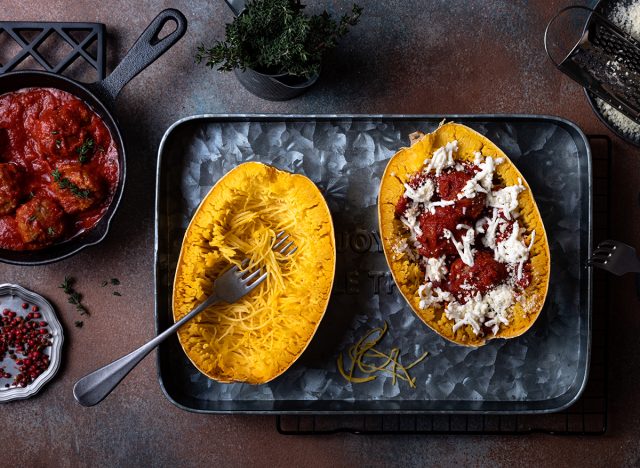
{"points": [[588, 416]]}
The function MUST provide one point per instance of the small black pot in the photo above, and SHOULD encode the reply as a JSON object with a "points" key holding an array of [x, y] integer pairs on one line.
{"points": [[274, 87], [279, 87]]}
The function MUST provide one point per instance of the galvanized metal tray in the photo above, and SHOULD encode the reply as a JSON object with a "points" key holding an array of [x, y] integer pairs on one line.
{"points": [[543, 371]]}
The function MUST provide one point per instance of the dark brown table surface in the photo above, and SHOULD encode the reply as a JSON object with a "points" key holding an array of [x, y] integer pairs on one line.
{"points": [[406, 56]]}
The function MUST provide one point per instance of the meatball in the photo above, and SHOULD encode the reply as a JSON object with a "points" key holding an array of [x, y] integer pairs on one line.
{"points": [[61, 131], [472, 208], [76, 188], [4, 140], [465, 281], [40, 220], [432, 241], [450, 184], [11, 187]]}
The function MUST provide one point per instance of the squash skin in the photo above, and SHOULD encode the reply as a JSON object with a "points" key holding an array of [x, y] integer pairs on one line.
{"points": [[313, 233], [408, 276]]}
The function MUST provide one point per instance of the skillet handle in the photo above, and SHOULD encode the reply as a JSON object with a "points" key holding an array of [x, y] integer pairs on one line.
{"points": [[143, 53]]}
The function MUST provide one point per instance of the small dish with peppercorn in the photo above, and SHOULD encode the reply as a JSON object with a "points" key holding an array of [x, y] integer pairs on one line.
{"points": [[30, 342]]}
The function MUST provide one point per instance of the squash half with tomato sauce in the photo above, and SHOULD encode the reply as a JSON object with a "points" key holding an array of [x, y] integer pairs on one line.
{"points": [[463, 236]]}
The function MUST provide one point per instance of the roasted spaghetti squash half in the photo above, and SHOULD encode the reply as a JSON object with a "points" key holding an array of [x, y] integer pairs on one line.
{"points": [[463, 236], [259, 337]]}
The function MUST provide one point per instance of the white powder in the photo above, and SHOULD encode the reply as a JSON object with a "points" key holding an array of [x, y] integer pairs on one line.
{"points": [[620, 121], [627, 17]]}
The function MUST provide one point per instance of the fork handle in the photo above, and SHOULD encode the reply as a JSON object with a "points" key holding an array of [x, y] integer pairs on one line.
{"points": [[94, 387]]}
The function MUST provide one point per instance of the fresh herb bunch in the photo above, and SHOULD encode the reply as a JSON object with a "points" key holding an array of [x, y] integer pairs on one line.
{"points": [[275, 36]]}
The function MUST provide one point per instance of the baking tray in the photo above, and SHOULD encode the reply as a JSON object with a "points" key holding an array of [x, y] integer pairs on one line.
{"points": [[543, 371]]}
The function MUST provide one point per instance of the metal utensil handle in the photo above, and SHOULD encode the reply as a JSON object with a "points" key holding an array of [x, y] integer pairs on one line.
{"points": [[94, 387], [143, 53], [553, 20], [237, 6]]}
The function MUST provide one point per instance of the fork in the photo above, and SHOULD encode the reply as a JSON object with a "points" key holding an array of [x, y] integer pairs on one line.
{"points": [[229, 287], [615, 257]]}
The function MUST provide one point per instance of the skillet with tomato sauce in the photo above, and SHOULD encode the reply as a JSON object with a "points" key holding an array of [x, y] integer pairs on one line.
{"points": [[58, 168]]}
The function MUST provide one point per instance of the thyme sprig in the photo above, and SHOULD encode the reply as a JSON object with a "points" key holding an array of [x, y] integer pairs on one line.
{"points": [[73, 296], [84, 151]]}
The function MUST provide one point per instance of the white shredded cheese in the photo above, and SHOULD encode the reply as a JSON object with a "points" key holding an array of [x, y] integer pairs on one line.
{"points": [[421, 194], [464, 247], [490, 310], [512, 249], [430, 295], [433, 205], [482, 181], [401, 247], [506, 199], [435, 269], [442, 158], [410, 219]]}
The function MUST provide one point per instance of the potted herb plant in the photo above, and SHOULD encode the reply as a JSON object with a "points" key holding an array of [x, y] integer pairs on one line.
{"points": [[275, 48]]}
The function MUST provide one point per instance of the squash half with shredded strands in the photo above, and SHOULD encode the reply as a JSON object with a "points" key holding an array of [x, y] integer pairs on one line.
{"points": [[259, 337]]}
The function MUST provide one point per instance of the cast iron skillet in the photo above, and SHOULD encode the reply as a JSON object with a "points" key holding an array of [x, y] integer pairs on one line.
{"points": [[100, 96]]}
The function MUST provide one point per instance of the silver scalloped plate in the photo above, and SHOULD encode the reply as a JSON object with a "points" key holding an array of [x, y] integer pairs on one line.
{"points": [[12, 296]]}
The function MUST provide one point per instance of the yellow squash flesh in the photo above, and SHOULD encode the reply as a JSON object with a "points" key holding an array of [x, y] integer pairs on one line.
{"points": [[407, 274], [260, 336]]}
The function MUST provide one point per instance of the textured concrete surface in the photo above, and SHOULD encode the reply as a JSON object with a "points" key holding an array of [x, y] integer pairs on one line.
{"points": [[413, 56]]}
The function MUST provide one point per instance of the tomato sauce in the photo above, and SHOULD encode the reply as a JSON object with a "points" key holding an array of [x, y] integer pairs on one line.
{"points": [[59, 168], [463, 281]]}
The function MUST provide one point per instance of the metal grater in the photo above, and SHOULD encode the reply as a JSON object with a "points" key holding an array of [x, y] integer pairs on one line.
{"points": [[606, 61]]}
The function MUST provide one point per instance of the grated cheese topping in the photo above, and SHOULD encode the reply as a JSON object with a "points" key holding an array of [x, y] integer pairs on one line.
{"points": [[442, 158], [422, 194], [491, 309], [435, 269], [506, 199], [464, 247]]}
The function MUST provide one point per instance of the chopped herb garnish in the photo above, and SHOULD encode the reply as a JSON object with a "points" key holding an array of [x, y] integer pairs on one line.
{"points": [[78, 323], [32, 218], [67, 284], [31, 195], [116, 293], [51, 231], [55, 132], [104, 283], [58, 144], [74, 297], [115, 281], [84, 150], [65, 183]]}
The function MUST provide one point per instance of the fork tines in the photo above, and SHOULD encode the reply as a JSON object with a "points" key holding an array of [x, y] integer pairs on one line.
{"points": [[246, 277], [286, 249], [602, 253]]}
